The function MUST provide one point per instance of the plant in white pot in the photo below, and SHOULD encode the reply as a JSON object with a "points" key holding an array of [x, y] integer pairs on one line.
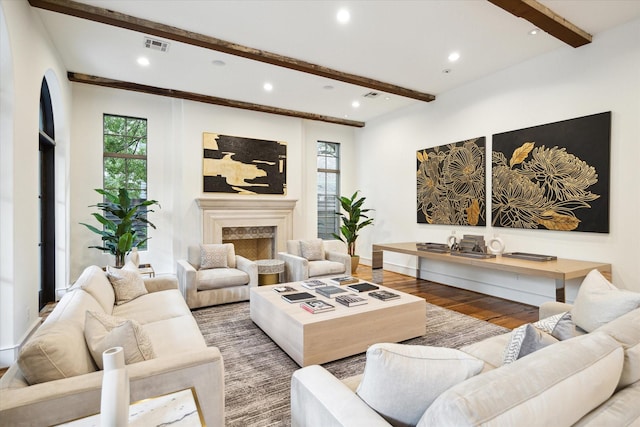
{"points": [[353, 220], [122, 223]]}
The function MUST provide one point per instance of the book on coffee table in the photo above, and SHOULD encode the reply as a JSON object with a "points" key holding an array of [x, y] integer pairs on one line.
{"points": [[317, 306], [284, 288], [313, 283], [350, 300], [298, 297], [330, 291], [384, 295], [362, 287], [343, 280]]}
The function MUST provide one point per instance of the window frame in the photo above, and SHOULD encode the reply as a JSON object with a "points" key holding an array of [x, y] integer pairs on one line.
{"points": [[323, 215]]}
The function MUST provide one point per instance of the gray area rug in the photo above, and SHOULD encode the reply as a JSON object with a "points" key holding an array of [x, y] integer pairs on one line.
{"points": [[258, 373]]}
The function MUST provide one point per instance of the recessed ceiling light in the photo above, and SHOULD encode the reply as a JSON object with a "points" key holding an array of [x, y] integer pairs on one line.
{"points": [[454, 56], [355, 104], [268, 87], [143, 61], [218, 63], [343, 16], [534, 31], [327, 87]]}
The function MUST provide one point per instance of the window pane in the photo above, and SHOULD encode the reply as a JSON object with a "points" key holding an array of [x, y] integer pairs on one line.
{"points": [[114, 125], [328, 186]]}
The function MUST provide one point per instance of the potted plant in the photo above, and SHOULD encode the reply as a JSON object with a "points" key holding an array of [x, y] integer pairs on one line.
{"points": [[123, 222], [353, 220]]}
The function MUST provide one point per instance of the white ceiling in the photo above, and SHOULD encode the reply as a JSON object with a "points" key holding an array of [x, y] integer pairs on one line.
{"points": [[405, 43]]}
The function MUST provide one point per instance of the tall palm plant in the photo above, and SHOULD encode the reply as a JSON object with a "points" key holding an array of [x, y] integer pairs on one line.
{"points": [[123, 223], [353, 220]]}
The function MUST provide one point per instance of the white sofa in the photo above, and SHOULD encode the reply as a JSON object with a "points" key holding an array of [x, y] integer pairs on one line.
{"points": [[204, 287], [309, 259], [590, 379], [65, 380]]}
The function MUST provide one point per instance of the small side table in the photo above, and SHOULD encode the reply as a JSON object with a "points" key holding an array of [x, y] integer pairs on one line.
{"points": [[146, 269], [269, 271]]}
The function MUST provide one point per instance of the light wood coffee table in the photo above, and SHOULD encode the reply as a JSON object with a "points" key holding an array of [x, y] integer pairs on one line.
{"points": [[310, 338]]}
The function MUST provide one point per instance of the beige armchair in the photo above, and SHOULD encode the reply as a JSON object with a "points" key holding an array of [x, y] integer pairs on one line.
{"points": [[315, 258], [213, 274]]}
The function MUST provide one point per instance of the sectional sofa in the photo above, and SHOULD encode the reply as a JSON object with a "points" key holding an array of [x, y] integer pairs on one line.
{"points": [[57, 377], [579, 365]]}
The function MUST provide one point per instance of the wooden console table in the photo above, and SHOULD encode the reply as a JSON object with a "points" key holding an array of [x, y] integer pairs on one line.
{"points": [[560, 270]]}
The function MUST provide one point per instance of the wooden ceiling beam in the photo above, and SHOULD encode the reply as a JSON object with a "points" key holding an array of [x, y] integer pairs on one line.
{"points": [[172, 93], [144, 26], [546, 19]]}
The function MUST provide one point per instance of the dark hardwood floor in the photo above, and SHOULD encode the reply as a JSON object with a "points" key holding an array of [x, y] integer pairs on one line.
{"points": [[495, 310]]}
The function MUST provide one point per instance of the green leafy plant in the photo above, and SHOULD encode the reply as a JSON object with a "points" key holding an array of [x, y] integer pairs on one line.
{"points": [[123, 223], [353, 220]]}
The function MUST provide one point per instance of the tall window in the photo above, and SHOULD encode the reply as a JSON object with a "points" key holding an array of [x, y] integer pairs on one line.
{"points": [[328, 189], [125, 156]]}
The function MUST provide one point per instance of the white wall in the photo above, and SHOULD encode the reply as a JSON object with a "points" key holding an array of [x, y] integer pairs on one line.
{"points": [[567, 83], [175, 130], [27, 57]]}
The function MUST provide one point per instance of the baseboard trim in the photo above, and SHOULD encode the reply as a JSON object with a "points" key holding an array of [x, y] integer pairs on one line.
{"points": [[9, 354]]}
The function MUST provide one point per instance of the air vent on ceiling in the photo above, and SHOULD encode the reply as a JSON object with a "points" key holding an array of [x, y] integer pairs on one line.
{"points": [[156, 44], [371, 95]]}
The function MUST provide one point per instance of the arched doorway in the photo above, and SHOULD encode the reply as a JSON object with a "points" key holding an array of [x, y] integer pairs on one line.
{"points": [[47, 146]]}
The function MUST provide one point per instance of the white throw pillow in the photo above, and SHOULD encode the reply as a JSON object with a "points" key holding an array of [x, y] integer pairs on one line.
{"points": [[599, 302], [213, 256], [401, 381], [312, 250], [127, 283], [102, 331]]}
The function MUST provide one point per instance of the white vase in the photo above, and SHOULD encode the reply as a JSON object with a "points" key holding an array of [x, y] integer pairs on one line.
{"points": [[114, 403]]}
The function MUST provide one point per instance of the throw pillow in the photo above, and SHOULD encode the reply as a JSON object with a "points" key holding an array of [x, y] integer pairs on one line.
{"points": [[525, 340], [102, 331], [127, 283], [599, 302], [213, 256], [313, 250], [559, 326], [401, 381]]}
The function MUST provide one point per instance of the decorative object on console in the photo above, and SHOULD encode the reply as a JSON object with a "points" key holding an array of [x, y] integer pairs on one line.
{"points": [[352, 222], [451, 183], [554, 176], [233, 164], [114, 400], [495, 245], [122, 223]]}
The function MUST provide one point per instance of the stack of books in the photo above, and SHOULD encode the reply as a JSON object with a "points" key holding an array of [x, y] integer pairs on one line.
{"points": [[344, 280], [384, 295], [351, 300], [317, 306], [313, 283], [330, 291]]}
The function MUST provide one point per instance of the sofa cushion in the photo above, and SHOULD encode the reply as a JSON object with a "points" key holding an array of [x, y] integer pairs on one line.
{"points": [[153, 307], [213, 256], [94, 281], [599, 302], [217, 278], [525, 340], [177, 334], [324, 268], [72, 306], [102, 331], [312, 250], [491, 350], [401, 381], [621, 409], [57, 350], [554, 386], [127, 283], [626, 330]]}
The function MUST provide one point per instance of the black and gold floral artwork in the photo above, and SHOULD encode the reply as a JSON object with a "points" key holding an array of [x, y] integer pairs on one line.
{"points": [[233, 164], [554, 176], [451, 183]]}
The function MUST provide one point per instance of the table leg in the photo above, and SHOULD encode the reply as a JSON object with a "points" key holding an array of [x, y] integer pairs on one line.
{"points": [[376, 259], [560, 290]]}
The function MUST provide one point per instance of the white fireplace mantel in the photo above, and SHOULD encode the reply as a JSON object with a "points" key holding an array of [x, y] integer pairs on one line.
{"points": [[219, 213]]}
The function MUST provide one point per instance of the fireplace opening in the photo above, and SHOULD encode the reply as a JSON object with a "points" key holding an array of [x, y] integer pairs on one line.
{"points": [[251, 242]]}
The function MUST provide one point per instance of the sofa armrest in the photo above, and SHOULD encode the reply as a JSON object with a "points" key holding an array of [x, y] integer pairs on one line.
{"points": [[320, 399], [551, 308], [187, 276], [340, 257], [296, 268], [162, 283], [249, 267], [55, 402]]}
